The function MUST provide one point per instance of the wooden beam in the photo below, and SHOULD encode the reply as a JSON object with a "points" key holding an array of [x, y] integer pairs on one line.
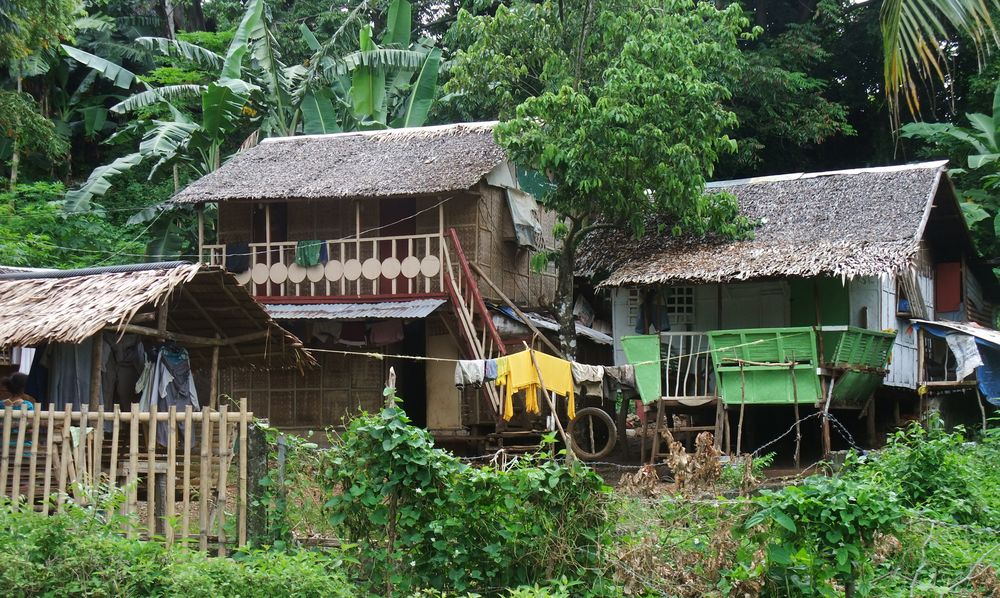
{"points": [[189, 338], [211, 321], [517, 310], [239, 304]]}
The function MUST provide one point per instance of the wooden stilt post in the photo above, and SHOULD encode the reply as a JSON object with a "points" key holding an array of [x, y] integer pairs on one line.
{"points": [[213, 385], [743, 406], [96, 353], [826, 421], [798, 423]]}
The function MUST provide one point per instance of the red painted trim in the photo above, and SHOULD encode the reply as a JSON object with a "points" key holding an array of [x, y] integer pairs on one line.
{"points": [[477, 299], [315, 299]]}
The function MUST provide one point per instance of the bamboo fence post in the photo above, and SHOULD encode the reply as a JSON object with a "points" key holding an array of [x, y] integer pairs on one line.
{"points": [[8, 413], [22, 420], [33, 459], [113, 453], [80, 450], [133, 467], [168, 527], [203, 482], [223, 471], [151, 474], [186, 490], [98, 456], [47, 482], [242, 503], [64, 457]]}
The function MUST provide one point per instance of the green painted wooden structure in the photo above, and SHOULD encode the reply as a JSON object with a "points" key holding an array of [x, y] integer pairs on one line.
{"points": [[779, 366]]}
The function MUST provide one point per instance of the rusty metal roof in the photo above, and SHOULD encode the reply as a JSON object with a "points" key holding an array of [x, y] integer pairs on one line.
{"points": [[411, 309]]}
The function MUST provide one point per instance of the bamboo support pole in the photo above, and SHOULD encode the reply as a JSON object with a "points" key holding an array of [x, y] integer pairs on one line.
{"points": [[171, 473], [213, 385], [97, 456], [552, 406], [80, 451], [133, 466], [47, 483], [113, 452], [97, 346], [22, 421], [798, 424], [242, 510], [203, 482], [67, 441], [33, 459], [151, 478], [186, 486], [223, 470], [4, 458]]}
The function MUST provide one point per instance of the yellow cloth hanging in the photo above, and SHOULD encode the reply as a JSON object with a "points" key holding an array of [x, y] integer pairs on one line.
{"points": [[517, 372]]}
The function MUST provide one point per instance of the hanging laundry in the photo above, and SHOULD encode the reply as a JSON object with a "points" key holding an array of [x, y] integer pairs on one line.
{"points": [[168, 383], [69, 373], [311, 253], [123, 360], [469, 372], [327, 330], [387, 332], [589, 379], [489, 370], [522, 375], [353, 334], [237, 257]]}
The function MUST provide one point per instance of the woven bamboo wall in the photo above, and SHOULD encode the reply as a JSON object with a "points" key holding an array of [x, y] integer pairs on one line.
{"points": [[321, 397], [235, 222]]}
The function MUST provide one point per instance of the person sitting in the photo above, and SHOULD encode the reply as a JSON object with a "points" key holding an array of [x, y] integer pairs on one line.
{"points": [[15, 384]]}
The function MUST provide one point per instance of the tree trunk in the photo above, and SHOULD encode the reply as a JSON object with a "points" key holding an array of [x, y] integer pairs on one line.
{"points": [[564, 297]]}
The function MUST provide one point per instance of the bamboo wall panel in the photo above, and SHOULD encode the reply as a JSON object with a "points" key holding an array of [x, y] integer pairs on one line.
{"points": [[174, 487]]}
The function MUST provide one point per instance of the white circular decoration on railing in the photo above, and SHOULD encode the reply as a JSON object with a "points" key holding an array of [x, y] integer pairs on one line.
{"points": [[352, 269], [430, 266], [316, 273], [260, 273], [243, 277], [334, 270], [279, 273], [296, 273], [372, 268], [410, 266], [390, 267]]}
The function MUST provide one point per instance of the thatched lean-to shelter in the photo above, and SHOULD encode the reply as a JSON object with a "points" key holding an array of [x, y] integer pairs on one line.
{"points": [[201, 308], [368, 164], [863, 222]]}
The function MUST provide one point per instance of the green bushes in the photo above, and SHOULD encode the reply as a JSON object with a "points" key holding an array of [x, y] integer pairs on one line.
{"points": [[421, 518], [76, 554]]}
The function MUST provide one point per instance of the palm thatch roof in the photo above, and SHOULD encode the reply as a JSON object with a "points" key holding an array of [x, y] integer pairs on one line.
{"points": [[389, 163], [862, 222], [204, 306]]}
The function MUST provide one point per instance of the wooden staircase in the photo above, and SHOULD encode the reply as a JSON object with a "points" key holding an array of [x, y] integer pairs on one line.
{"points": [[478, 336]]}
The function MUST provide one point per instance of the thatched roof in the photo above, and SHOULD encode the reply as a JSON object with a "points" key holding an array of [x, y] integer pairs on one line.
{"points": [[862, 222], [69, 306], [369, 164]]}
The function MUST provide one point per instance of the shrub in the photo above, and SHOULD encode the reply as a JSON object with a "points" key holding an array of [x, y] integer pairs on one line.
{"points": [[805, 538], [420, 517]]}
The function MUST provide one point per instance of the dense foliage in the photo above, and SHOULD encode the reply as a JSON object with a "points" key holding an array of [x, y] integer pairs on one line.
{"points": [[421, 518]]}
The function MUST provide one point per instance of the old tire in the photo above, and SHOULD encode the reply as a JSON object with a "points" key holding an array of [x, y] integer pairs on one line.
{"points": [[593, 433]]}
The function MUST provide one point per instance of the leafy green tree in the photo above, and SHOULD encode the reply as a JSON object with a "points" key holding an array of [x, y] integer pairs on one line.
{"points": [[625, 113], [978, 146]]}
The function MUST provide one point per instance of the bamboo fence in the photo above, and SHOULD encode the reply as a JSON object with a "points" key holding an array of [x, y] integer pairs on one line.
{"points": [[174, 485]]}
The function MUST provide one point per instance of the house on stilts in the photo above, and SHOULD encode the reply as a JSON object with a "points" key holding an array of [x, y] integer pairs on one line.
{"points": [[403, 248], [819, 310]]}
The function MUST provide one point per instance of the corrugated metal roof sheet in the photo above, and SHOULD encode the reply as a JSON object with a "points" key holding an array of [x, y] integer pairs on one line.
{"points": [[416, 308]]}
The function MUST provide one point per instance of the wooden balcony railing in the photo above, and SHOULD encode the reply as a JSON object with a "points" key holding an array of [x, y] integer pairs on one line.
{"points": [[397, 265], [687, 366]]}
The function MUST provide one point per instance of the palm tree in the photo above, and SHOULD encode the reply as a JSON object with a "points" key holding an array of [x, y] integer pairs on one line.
{"points": [[916, 48]]}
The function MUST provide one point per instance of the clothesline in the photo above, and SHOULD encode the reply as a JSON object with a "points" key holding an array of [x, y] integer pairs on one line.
{"points": [[382, 356]]}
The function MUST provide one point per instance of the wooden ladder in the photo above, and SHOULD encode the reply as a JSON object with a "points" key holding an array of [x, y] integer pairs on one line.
{"points": [[479, 337]]}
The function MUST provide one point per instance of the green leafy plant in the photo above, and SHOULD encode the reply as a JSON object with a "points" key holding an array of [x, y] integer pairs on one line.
{"points": [[420, 517], [815, 534]]}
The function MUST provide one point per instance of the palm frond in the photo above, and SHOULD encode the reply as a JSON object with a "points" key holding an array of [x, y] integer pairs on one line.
{"points": [[175, 48], [914, 43], [118, 75], [150, 97], [99, 181]]}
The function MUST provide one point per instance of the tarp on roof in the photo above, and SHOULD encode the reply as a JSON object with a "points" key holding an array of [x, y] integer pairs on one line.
{"points": [[987, 341], [413, 309], [509, 324]]}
